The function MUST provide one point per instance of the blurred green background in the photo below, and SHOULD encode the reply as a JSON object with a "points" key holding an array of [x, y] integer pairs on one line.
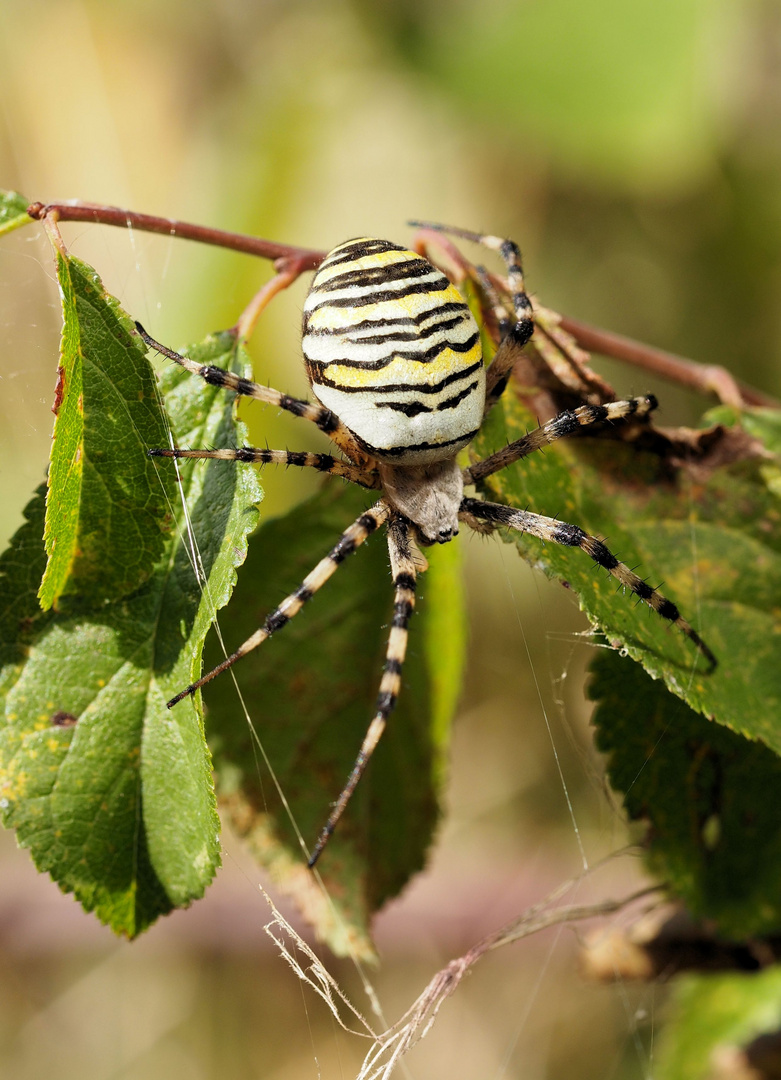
{"points": [[633, 150]]}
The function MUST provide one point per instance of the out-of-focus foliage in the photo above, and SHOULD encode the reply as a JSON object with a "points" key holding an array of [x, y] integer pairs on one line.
{"points": [[568, 64], [718, 1017], [647, 133], [13, 211]]}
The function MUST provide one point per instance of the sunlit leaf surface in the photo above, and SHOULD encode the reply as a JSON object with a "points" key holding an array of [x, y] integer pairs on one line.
{"points": [[107, 514]]}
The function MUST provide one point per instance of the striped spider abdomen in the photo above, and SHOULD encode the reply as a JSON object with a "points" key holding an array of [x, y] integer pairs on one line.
{"points": [[392, 349]]}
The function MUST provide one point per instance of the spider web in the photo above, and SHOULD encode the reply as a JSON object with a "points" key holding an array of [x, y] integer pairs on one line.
{"points": [[420, 1018]]}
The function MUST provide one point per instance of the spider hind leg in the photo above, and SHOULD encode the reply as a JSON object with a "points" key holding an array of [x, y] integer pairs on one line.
{"points": [[566, 423]]}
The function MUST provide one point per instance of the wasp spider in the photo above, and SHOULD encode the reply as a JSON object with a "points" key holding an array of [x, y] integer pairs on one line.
{"points": [[394, 358]]}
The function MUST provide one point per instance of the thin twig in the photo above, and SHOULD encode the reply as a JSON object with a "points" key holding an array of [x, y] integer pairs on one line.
{"points": [[263, 297], [280, 254], [54, 234]]}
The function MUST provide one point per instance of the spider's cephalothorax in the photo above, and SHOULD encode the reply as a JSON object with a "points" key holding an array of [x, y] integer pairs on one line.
{"points": [[393, 356]]}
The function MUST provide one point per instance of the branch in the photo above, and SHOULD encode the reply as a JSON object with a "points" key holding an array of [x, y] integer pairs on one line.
{"points": [[706, 378], [280, 254]]}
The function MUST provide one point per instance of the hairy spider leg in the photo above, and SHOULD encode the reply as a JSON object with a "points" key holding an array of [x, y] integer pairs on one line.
{"points": [[351, 538], [321, 417], [513, 335], [560, 426], [559, 532], [404, 583], [323, 463]]}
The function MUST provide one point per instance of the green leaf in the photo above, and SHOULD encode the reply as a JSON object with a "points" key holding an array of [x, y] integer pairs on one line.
{"points": [[13, 211], [107, 516], [763, 424], [110, 790], [712, 1014], [707, 796], [311, 693], [715, 544]]}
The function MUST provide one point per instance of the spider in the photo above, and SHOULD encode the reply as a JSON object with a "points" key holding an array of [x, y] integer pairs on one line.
{"points": [[394, 359]]}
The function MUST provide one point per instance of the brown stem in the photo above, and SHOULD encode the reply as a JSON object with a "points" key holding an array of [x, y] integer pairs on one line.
{"points": [[54, 234], [280, 254], [260, 301], [706, 378]]}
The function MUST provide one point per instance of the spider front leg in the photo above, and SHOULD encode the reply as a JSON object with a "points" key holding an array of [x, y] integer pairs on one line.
{"points": [[559, 532], [513, 335], [560, 426], [404, 583], [349, 541], [322, 418]]}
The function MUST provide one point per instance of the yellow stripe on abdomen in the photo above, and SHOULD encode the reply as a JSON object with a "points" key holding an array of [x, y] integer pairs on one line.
{"points": [[393, 350]]}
